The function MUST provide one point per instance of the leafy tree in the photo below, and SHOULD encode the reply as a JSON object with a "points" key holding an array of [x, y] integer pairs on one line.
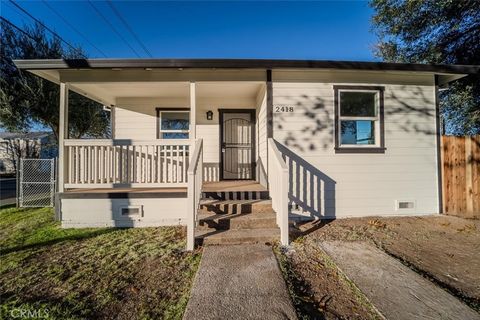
{"points": [[436, 31], [27, 101]]}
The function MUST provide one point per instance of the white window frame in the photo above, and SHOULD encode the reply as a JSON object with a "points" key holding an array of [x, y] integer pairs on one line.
{"points": [[376, 120], [160, 132]]}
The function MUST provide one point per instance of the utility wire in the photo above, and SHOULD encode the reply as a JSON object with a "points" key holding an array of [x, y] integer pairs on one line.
{"points": [[11, 24], [112, 27], [73, 28], [47, 28], [125, 23]]}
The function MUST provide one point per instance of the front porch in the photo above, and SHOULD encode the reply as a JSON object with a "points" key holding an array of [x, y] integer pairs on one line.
{"points": [[173, 143]]}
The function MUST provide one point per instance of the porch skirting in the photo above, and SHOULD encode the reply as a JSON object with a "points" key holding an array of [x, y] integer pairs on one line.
{"points": [[107, 208], [124, 224]]}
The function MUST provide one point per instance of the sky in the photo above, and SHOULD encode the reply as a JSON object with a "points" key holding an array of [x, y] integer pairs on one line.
{"points": [[338, 30]]}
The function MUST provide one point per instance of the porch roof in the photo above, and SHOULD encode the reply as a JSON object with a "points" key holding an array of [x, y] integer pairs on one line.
{"points": [[44, 64], [105, 80]]}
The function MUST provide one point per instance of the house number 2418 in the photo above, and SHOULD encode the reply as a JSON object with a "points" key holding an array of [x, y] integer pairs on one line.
{"points": [[283, 109]]}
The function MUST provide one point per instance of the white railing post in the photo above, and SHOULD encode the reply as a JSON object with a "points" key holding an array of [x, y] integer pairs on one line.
{"points": [[278, 181], [195, 180], [284, 239], [190, 211]]}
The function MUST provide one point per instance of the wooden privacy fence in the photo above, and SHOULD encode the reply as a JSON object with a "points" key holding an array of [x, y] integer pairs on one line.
{"points": [[461, 176]]}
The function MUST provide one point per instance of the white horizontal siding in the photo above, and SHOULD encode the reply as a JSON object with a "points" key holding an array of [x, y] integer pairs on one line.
{"points": [[105, 212], [136, 118], [340, 185], [261, 136], [308, 78]]}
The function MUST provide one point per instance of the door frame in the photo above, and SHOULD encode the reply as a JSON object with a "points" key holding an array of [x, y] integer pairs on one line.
{"points": [[252, 113]]}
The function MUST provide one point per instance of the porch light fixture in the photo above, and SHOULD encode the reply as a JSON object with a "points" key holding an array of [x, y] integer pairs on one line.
{"points": [[209, 115]]}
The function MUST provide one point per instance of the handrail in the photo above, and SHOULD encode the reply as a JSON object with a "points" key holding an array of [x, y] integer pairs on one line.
{"points": [[124, 142], [192, 166], [195, 181], [278, 182], [278, 155]]}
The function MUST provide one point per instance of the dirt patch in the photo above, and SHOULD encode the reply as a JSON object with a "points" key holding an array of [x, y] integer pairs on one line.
{"points": [[317, 288], [442, 248]]}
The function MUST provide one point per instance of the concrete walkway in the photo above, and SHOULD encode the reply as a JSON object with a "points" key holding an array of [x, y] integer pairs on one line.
{"points": [[395, 290], [239, 282]]}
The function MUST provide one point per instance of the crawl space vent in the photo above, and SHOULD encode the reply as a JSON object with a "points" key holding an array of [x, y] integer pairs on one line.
{"points": [[405, 205], [131, 211]]}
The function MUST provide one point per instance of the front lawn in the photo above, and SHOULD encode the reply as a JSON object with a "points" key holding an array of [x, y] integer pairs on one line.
{"points": [[108, 273]]}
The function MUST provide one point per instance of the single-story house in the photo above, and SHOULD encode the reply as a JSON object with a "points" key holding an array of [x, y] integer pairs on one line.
{"points": [[14, 145], [235, 149]]}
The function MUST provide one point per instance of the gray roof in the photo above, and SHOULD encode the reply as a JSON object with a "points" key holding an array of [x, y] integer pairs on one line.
{"points": [[24, 135]]}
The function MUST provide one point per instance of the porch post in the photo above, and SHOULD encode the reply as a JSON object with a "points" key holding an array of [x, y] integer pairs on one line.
{"points": [[269, 89], [193, 111], [269, 104], [191, 176], [62, 135]]}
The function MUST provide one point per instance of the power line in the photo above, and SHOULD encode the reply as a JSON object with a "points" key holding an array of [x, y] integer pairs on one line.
{"points": [[73, 28], [119, 15], [47, 28], [112, 27], [11, 24]]}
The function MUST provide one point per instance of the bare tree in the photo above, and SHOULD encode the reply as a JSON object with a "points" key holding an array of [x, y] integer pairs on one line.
{"points": [[16, 149]]}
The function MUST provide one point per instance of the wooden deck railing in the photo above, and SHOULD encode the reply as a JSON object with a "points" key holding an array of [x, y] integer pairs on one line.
{"points": [[195, 181], [129, 163], [278, 187]]}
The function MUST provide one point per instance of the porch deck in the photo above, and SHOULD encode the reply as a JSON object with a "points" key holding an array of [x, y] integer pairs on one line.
{"points": [[123, 193], [218, 186], [232, 186]]}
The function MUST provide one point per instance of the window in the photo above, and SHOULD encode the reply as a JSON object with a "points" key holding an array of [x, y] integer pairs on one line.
{"points": [[359, 119], [173, 123]]}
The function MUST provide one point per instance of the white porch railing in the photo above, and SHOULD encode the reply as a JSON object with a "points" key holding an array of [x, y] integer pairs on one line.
{"points": [[195, 181], [278, 187], [129, 163]]}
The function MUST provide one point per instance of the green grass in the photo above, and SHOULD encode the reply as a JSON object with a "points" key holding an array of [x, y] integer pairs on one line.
{"points": [[140, 273]]}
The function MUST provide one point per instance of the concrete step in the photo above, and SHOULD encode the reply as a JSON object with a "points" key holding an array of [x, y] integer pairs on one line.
{"points": [[233, 236], [236, 195], [236, 221], [235, 206]]}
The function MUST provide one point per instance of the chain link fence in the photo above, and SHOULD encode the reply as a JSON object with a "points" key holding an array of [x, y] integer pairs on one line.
{"points": [[36, 182]]}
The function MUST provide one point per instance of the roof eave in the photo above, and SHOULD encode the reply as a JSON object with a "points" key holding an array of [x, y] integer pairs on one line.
{"points": [[52, 64]]}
